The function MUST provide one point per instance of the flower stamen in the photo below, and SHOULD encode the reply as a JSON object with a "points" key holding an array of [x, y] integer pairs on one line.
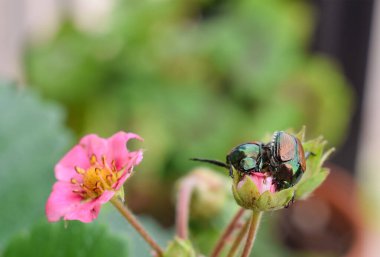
{"points": [[93, 160], [98, 188], [104, 160], [79, 170], [109, 178], [88, 192], [113, 165], [97, 178]]}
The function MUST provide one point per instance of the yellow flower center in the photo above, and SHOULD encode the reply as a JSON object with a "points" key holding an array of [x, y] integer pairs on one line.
{"points": [[96, 179]]}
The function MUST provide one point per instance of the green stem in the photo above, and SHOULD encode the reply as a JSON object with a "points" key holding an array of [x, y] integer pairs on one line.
{"points": [[139, 228], [255, 220], [238, 239], [227, 233]]}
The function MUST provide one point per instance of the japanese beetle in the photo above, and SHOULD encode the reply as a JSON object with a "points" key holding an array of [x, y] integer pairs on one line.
{"points": [[283, 158], [245, 158], [286, 159]]}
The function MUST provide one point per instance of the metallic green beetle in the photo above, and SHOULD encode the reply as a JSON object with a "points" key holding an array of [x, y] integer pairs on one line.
{"points": [[246, 158], [283, 158], [287, 159]]}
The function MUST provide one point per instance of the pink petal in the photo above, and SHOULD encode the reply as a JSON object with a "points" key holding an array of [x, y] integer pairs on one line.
{"points": [[61, 201], [122, 179], [135, 159], [65, 168], [88, 211], [94, 145], [262, 182], [117, 150], [105, 197], [64, 203]]}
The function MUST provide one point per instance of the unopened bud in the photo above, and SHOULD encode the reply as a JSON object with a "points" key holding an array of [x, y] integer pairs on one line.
{"points": [[179, 247], [209, 194], [257, 192]]}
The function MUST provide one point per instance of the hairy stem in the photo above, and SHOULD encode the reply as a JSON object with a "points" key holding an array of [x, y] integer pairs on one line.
{"points": [[185, 192], [139, 228], [255, 220], [227, 233], [239, 238]]}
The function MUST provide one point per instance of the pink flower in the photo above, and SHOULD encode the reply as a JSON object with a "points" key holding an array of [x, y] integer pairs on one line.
{"points": [[262, 181], [89, 175]]}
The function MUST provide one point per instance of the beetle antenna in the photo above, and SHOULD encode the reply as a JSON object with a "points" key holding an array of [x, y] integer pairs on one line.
{"points": [[215, 162]]}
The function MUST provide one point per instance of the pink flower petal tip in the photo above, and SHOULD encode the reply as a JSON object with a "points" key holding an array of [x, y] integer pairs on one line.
{"points": [[262, 181], [89, 175]]}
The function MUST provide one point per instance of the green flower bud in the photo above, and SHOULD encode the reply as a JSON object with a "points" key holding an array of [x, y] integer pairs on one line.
{"points": [[179, 247], [209, 194], [256, 192]]}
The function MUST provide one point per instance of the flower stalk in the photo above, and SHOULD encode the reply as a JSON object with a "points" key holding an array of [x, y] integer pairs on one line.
{"points": [[185, 192], [238, 239], [127, 214], [227, 233], [255, 221]]}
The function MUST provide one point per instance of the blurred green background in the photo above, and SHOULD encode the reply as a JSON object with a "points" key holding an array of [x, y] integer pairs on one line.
{"points": [[193, 78]]}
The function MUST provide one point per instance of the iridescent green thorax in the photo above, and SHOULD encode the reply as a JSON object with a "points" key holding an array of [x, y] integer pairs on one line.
{"points": [[244, 158]]}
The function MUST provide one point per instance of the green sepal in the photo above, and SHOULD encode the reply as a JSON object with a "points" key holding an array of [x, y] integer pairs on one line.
{"points": [[120, 194], [308, 186], [180, 247], [236, 175], [273, 201], [301, 134], [315, 174], [246, 195]]}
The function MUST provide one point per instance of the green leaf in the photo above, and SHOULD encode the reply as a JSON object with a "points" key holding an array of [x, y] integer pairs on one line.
{"points": [[78, 239], [32, 139]]}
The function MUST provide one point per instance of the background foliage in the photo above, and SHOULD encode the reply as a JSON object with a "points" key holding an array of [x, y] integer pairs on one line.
{"points": [[32, 139], [194, 78]]}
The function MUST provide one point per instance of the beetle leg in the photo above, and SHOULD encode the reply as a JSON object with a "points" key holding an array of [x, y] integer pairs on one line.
{"points": [[291, 201], [258, 167], [308, 154], [230, 172]]}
